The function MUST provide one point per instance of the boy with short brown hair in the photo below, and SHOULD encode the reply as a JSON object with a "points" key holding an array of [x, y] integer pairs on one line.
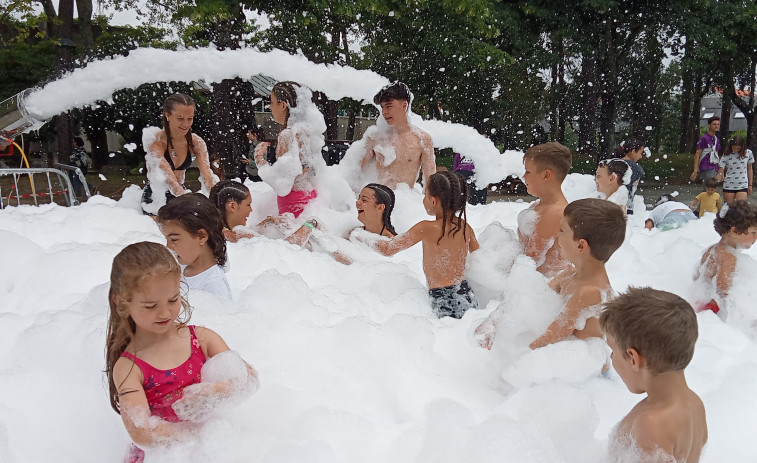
{"points": [[590, 231], [547, 165], [652, 336]]}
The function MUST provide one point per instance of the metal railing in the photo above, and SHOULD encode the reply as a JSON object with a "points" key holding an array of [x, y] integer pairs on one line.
{"points": [[65, 183], [78, 174]]}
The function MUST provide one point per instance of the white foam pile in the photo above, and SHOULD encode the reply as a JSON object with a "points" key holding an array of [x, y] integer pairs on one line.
{"points": [[352, 364]]}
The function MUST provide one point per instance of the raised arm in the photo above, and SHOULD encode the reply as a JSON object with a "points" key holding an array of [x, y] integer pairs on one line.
{"points": [[565, 323], [428, 159], [369, 154], [207, 177], [155, 152]]}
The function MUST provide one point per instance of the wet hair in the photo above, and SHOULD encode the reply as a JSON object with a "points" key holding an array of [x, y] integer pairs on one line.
{"points": [[225, 191], [393, 91], [601, 223], [255, 129], [629, 145], [195, 212], [711, 183], [452, 192], [737, 214], [660, 326], [384, 195], [168, 106], [737, 140], [713, 119], [286, 91], [553, 156], [78, 141], [615, 166], [130, 266]]}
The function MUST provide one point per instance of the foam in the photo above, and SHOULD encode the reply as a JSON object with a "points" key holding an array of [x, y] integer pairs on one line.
{"points": [[354, 367]]}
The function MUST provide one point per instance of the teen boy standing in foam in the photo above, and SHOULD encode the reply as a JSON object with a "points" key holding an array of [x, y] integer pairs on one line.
{"points": [[412, 147]]}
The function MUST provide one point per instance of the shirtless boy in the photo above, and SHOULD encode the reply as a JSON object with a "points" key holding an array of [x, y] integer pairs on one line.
{"points": [[589, 233], [546, 168], [412, 146], [652, 335]]}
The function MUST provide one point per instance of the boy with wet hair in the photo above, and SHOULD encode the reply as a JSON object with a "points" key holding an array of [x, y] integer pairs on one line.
{"points": [[404, 150], [652, 335], [547, 166], [590, 231]]}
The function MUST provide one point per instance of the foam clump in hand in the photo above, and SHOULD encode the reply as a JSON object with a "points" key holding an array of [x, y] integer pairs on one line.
{"points": [[226, 380]]}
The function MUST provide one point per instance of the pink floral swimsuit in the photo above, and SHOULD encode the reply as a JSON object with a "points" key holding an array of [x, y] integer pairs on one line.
{"points": [[164, 387]]}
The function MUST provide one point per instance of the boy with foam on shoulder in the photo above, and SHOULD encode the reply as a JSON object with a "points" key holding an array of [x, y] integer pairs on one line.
{"points": [[652, 335], [591, 230], [708, 200], [547, 166]]}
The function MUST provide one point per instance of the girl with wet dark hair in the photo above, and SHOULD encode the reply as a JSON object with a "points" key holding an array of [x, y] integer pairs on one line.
{"points": [[298, 148], [631, 152], [447, 241], [736, 223], [170, 154], [375, 204], [194, 231], [610, 179], [234, 204]]}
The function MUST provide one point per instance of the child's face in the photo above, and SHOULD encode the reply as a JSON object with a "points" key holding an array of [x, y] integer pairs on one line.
{"points": [[367, 207], [604, 179], [180, 119], [711, 190], [278, 110], [237, 213], [188, 247], [533, 178], [623, 364], [156, 302], [394, 111], [568, 245], [745, 240], [735, 148]]}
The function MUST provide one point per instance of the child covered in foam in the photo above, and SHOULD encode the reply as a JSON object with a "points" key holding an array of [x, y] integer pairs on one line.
{"points": [[652, 336], [736, 223], [591, 230], [546, 168], [447, 241]]}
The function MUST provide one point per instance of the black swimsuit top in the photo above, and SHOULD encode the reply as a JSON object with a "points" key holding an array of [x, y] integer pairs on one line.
{"points": [[184, 165]]}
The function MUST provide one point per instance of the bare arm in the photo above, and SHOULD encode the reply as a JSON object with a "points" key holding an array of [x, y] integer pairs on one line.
{"points": [[156, 150], [696, 164], [719, 204], [203, 162], [369, 154], [725, 274], [693, 203], [143, 429], [565, 324], [428, 159], [401, 242], [472, 242], [749, 176], [721, 174]]}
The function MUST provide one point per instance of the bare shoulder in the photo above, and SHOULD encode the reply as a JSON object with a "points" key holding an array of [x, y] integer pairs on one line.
{"points": [[655, 428], [210, 341], [126, 371], [159, 144]]}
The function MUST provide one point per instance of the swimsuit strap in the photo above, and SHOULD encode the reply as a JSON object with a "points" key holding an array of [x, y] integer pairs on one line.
{"points": [[147, 368]]}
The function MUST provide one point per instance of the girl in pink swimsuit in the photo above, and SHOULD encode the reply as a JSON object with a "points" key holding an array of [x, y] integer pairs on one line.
{"points": [[152, 355]]}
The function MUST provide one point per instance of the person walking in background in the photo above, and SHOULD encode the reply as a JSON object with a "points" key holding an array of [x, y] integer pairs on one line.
{"points": [[736, 170], [248, 168], [707, 156], [630, 152]]}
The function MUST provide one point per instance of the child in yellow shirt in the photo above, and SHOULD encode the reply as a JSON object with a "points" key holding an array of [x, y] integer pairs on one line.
{"points": [[709, 200]]}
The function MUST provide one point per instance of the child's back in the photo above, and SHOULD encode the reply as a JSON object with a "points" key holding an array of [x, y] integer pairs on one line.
{"points": [[444, 258]]}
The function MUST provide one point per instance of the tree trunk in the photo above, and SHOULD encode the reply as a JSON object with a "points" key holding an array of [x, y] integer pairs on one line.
{"points": [[609, 94], [727, 103], [84, 11], [686, 95], [563, 101], [63, 123], [648, 122], [553, 91], [587, 115], [99, 141]]}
